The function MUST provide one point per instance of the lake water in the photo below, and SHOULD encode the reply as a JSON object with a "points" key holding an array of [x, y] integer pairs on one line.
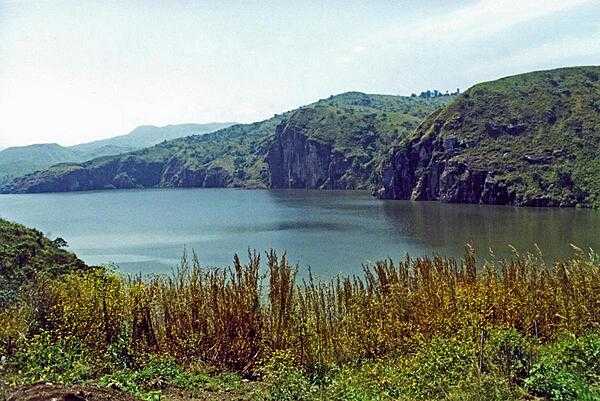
{"points": [[331, 231]]}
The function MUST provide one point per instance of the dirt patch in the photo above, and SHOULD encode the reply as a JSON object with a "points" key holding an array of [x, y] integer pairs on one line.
{"points": [[50, 392], [246, 392]]}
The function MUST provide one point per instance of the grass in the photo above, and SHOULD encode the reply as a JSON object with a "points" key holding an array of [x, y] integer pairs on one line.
{"points": [[419, 329]]}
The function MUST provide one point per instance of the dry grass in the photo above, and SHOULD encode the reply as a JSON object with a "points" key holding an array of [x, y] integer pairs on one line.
{"points": [[226, 318]]}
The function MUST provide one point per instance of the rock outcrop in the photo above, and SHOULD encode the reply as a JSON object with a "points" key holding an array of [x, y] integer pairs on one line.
{"points": [[498, 143], [298, 161], [121, 173], [334, 143]]}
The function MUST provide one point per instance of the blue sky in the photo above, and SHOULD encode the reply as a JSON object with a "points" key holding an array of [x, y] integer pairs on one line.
{"points": [[73, 71]]}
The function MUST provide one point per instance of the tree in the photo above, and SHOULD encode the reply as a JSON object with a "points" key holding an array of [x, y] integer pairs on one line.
{"points": [[60, 242]]}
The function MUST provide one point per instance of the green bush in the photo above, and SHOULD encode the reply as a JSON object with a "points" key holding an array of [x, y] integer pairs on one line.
{"points": [[439, 367], [508, 353], [43, 359], [484, 388], [568, 369], [284, 380], [160, 373]]}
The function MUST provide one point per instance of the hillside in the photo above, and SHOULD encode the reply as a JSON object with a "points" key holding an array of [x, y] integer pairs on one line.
{"points": [[21, 160], [25, 252], [333, 143], [526, 140], [148, 135]]}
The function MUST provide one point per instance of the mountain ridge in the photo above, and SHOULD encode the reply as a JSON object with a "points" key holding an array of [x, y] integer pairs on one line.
{"points": [[20, 160], [526, 140], [237, 156]]}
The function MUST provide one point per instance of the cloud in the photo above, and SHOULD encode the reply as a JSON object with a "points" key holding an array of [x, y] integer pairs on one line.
{"points": [[485, 17], [359, 49], [448, 46], [472, 22], [564, 48]]}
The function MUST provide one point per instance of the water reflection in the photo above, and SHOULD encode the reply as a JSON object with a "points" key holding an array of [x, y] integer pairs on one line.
{"points": [[447, 227], [331, 231]]}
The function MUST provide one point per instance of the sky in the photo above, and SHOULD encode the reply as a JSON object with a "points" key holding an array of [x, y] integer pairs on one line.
{"points": [[75, 71]]}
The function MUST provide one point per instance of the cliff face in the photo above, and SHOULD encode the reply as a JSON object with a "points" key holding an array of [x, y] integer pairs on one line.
{"points": [[297, 161], [424, 169], [528, 140], [334, 143]]}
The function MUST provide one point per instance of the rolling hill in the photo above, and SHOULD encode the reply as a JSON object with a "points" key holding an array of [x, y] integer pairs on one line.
{"points": [[527, 140], [332, 143], [21, 160]]}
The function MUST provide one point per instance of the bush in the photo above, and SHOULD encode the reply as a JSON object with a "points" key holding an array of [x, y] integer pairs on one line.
{"points": [[43, 359], [508, 353], [484, 388], [160, 373], [284, 380], [568, 369]]}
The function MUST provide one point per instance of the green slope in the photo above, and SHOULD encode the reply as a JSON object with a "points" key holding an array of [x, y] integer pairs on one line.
{"points": [[21, 160], [531, 139], [351, 124], [25, 252]]}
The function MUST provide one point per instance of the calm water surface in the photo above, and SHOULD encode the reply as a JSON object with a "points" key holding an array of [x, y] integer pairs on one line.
{"points": [[331, 231]]}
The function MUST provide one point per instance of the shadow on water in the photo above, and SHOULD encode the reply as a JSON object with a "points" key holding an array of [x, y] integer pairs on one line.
{"points": [[291, 225], [446, 228], [331, 231]]}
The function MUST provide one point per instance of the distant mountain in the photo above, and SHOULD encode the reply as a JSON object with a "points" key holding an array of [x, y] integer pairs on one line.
{"points": [[333, 143], [18, 161], [22, 160], [148, 135], [526, 140]]}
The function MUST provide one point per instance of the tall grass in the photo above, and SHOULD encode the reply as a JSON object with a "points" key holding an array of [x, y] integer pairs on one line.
{"points": [[237, 316]]}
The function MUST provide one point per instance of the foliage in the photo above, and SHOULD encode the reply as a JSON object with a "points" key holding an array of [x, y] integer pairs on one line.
{"points": [[44, 359], [160, 373], [25, 253], [284, 380], [568, 369], [418, 329]]}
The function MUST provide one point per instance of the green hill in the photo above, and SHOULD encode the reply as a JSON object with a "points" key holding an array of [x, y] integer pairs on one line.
{"points": [[333, 143], [526, 140], [21, 160], [25, 252]]}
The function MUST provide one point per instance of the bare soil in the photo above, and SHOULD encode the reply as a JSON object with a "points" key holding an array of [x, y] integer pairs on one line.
{"points": [[51, 392]]}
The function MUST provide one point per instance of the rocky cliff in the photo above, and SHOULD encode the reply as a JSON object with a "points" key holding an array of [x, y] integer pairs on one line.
{"points": [[527, 140], [296, 160], [330, 144], [120, 173]]}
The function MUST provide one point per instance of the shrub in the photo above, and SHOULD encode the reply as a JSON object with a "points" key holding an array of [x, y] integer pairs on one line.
{"points": [[509, 354], [284, 380], [44, 359], [568, 369]]}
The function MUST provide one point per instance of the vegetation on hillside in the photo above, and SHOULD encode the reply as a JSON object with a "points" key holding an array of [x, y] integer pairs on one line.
{"points": [[22, 160], [360, 126], [420, 329], [26, 253], [530, 139]]}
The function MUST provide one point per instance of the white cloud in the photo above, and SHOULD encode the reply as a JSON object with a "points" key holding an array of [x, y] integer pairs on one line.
{"points": [[359, 49], [487, 17], [557, 50]]}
